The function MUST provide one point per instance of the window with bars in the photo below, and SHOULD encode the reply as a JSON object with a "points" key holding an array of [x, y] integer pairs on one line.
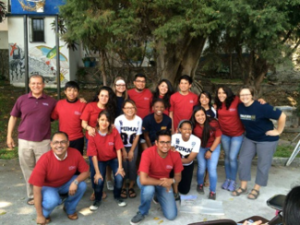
{"points": [[38, 33]]}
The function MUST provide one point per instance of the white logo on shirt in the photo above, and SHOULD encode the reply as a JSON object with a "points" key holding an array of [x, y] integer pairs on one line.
{"points": [[45, 103], [232, 109], [72, 167], [145, 98], [111, 143], [77, 113], [169, 167], [191, 101]]}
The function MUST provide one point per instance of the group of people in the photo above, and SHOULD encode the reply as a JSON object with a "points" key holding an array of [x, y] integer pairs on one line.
{"points": [[140, 137]]}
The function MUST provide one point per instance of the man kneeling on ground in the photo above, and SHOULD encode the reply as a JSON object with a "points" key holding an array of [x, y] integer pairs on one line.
{"points": [[154, 177], [54, 175]]}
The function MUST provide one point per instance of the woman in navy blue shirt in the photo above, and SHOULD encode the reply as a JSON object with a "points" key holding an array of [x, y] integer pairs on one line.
{"points": [[261, 139]]}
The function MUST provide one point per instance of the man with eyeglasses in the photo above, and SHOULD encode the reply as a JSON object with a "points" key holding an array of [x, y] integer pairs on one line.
{"points": [[154, 177], [142, 97], [54, 175], [35, 110]]}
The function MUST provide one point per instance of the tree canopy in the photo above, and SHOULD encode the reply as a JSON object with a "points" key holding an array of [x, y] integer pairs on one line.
{"points": [[177, 30]]}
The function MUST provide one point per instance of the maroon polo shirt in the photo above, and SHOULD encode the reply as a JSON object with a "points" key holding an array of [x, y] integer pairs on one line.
{"points": [[35, 116]]}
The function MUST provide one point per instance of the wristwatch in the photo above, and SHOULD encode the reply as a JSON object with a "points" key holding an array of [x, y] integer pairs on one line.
{"points": [[174, 181], [75, 182], [210, 150]]}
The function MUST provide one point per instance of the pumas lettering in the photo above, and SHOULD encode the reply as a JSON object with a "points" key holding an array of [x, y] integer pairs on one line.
{"points": [[133, 129]]}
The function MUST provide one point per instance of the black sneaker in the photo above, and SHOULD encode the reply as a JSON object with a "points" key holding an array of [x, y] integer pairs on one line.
{"points": [[200, 189], [155, 200], [137, 219], [95, 206], [212, 195]]}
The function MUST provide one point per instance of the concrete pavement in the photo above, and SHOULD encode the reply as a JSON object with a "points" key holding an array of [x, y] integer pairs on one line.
{"points": [[14, 210]]}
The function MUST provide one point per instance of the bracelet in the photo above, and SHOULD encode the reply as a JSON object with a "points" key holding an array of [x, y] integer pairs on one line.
{"points": [[210, 150]]}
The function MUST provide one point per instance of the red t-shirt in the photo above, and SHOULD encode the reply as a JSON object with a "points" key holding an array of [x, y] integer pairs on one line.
{"points": [[90, 114], [68, 114], [158, 167], [142, 100], [182, 106], [229, 120], [198, 130], [49, 171], [105, 147]]}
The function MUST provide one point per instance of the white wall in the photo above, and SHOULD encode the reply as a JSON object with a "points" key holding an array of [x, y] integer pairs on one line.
{"points": [[3, 40]]}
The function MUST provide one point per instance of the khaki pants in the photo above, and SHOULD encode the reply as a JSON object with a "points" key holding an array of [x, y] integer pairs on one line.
{"points": [[29, 153]]}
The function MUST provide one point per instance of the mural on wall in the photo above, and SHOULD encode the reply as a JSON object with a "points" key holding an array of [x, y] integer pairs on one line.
{"points": [[42, 60], [49, 7]]}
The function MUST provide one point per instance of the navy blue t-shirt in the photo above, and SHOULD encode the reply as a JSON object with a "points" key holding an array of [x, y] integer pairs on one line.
{"points": [[151, 126], [120, 101], [256, 120]]}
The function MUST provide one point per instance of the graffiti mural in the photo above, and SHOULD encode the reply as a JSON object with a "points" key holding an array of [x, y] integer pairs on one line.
{"points": [[42, 60]]}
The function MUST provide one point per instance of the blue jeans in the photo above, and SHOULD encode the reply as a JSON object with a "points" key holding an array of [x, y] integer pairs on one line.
{"points": [[165, 199], [51, 198], [210, 164], [231, 146], [98, 188]]}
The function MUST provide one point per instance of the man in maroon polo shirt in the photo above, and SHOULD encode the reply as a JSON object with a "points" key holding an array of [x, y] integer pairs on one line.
{"points": [[35, 110]]}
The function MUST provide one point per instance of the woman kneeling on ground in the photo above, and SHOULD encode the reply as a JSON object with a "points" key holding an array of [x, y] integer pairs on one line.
{"points": [[188, 146]]}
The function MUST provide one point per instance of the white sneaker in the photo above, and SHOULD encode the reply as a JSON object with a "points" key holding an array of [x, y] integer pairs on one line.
{"points": [[95, 206], [110, 185], [121, 203]]}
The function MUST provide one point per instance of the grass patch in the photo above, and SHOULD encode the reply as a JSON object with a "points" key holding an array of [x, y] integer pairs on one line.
{"points": [[284, 151], [8, 154]]}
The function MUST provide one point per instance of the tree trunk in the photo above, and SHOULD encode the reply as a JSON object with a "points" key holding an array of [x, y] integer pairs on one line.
{"points": [[174, 60], [102, 68]]}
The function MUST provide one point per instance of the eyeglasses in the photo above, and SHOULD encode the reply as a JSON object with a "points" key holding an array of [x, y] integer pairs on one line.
{"points": [[140, 81], [120, 85], [60, 142], [164, 142], [244, 95]]}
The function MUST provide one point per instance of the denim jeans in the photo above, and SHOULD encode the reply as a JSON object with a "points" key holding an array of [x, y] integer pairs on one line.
{"points": [[165, 199], [98, 188], [210, 164], [51, 198], [231, 146]]}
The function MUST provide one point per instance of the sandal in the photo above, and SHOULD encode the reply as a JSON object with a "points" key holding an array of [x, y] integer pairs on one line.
{"points": [[124, 193], [30, 201], [131, 193], [254, 193], [238, 191]]}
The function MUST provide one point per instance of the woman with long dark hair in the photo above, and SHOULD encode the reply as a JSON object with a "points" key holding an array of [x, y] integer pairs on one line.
{"points": [[205, 101], [232, 133], [164, 90], [104, 148], [103, 100], [210, 134]]}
